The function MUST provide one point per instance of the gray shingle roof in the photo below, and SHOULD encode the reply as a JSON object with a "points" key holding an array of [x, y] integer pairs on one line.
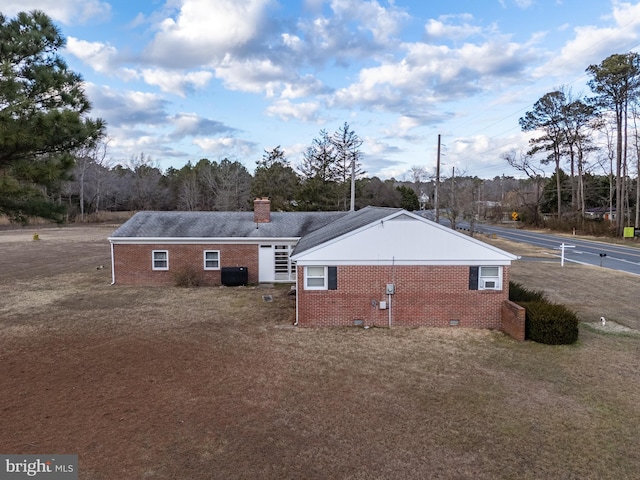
{"points": [[222, 225], [348, 223]]}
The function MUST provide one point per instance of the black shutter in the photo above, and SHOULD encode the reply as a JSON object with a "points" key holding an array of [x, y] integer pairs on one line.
{"points": [[333, 278], [473, 277]]}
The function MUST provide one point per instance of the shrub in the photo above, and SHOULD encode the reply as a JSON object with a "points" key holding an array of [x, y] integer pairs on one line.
{"points": [[187, 276], [550, 323], [518, 293]]}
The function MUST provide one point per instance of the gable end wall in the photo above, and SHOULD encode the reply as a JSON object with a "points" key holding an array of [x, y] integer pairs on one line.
{"points": [[425, 296]]}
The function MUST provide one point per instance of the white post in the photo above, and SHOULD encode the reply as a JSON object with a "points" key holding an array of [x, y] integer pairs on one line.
{"points": [[562, 247]]}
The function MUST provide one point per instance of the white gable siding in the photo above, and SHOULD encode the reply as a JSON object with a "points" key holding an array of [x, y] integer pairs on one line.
{"points": [[404, 240]]}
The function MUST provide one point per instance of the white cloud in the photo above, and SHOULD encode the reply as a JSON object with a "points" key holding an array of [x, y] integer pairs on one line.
{"points": [[226, 146], [126, 109], [304, 86], [377, 147], [204, 31], [382, 23], [176, 82], [430, 73], [105, 59], [191, 124], [268, 77], [443, 28], [99, 56], [139, 121], [293, 42], [285, 110], [352, 31], [591, 44], [68, 12], [408, 122], [483, 152], [295, 152]]}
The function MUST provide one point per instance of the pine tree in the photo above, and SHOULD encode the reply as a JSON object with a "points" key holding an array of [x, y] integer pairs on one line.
{"points": [[42, 117]]}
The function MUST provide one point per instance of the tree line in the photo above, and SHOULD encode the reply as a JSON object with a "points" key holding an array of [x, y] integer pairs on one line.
{"points": [[319, 183], [584, 133]]}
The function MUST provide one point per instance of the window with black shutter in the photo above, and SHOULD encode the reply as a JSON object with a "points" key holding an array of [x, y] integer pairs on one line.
{"points": [[473, 278], [332, 273]]}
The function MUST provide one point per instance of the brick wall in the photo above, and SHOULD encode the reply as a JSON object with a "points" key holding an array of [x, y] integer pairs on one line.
{"points": [[425, 296], [132, 263], [513, 320]]}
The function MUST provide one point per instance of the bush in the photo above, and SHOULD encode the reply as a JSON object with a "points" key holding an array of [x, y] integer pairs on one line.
{"points": [[545, 322], [187, 277], [550, 323], [518, 293]]}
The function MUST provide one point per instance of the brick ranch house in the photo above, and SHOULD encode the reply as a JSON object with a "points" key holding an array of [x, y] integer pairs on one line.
{"points": [[373, 267]]}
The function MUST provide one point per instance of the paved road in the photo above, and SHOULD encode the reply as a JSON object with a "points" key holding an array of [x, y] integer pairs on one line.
{"points": [[589, 252]]}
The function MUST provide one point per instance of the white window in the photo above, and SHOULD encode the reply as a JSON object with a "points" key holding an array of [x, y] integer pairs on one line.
{"points": [[211, 260], [315, 278], [321, 278], [490, 278], [160, 259]]}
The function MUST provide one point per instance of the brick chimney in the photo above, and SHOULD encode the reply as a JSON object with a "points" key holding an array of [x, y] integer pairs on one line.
{"points": [[262, 210]]}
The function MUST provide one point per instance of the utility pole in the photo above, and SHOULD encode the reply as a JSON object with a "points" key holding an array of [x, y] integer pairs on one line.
{"points": [[353, 182], [436, 200], [453, 187], [452, 208]]}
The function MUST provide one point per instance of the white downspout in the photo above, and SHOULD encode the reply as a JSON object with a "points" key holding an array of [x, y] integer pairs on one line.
{"points": [[393, 282], [295, 324], [113, 269]]}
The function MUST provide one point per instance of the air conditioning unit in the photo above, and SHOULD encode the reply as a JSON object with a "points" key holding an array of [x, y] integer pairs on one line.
{"points": [[489, 284], [234, 276]]}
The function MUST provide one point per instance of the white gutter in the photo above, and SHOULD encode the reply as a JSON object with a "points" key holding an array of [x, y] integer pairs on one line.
{"points": [[113, 266]]}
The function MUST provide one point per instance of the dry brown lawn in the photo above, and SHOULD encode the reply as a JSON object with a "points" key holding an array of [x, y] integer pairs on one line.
{"points": [[593, 292], [170, 383]]}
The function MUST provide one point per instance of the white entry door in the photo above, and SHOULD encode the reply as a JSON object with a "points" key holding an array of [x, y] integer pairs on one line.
{"points": [[266, 263]]}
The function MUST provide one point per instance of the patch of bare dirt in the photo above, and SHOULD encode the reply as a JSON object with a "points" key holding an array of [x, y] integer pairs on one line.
{"points": [[612, 327], [67, 249]]}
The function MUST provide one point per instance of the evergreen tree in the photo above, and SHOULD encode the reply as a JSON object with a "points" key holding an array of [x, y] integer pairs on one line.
{"points": [[347, 162], [409, 199], [320, 187], [274, 178], [42, 117], [549, 201]]}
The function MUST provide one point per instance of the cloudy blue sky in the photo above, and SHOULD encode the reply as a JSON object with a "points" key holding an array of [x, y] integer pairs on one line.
{"points": [[180, 80]]}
